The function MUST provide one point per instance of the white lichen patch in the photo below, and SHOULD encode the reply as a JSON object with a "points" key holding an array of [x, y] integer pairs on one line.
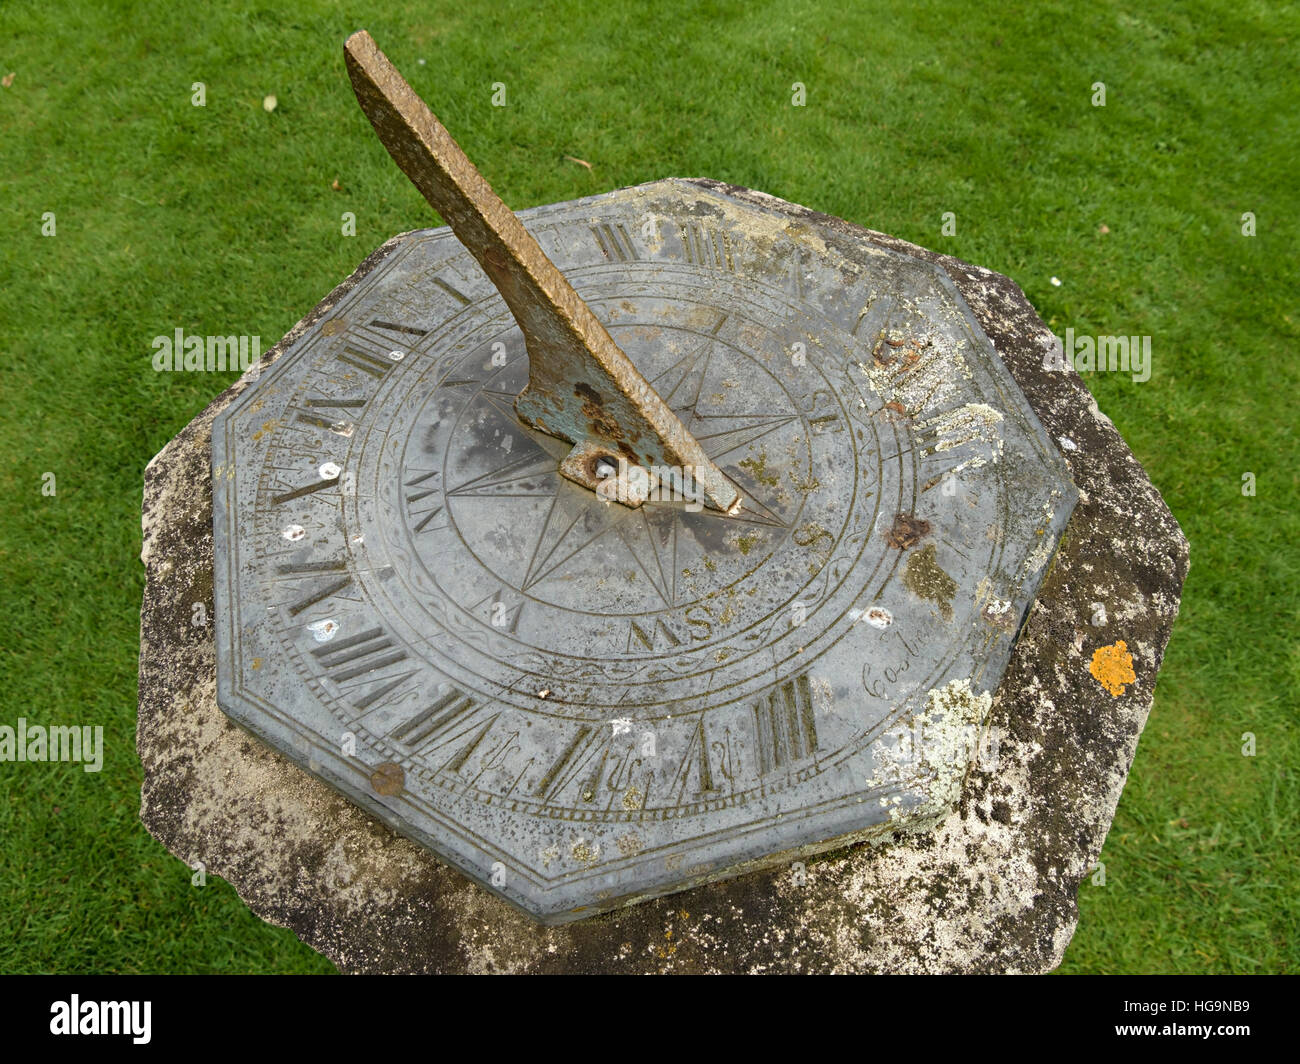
{"points": [[1131, 608], [931, 381], [1039, 556], [933, 748], [949, 733], [323, 631], [1042, 552], [985, 871], [975, 428], [876, 616]]}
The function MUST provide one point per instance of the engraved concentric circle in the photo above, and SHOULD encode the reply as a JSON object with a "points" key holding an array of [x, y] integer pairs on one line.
{"points": [[541, 586]]}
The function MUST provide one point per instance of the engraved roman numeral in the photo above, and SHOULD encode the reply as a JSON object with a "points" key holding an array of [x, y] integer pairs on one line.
{"points": [[347, 659], [370, 348], [455, 293], [706, 246], [433, 720], [375, 365], [826, 423], [359, 656], [698, 764], [785, 729], [615, 242], [399, 328], [424, 501], [957, 439], [340, 581], [823, 412], [872, 318], [334, 424], [337, 565], [556, 776]]}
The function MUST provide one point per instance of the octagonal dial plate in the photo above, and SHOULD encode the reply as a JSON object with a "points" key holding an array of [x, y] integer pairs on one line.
{"points": [[580, 704]]}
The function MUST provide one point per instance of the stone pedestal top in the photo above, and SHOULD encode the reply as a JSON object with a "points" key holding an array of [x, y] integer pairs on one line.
{"points": [[991, 888]]}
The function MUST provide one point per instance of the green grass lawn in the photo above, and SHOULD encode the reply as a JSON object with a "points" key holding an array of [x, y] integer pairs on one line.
{"points": [[225, 219]]}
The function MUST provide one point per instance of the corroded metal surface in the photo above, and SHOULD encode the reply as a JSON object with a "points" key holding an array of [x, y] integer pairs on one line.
{"points": [[589, 704], [581, 386]]}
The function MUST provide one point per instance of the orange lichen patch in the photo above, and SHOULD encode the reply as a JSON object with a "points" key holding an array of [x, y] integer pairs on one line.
{"points": [[1112, 667]]}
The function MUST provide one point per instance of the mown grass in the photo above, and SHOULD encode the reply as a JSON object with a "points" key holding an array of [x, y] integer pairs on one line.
{"points": [[224, 219]]}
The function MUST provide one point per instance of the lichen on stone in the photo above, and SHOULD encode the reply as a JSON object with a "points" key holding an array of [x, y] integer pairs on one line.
{"points": [[1112, 667]]}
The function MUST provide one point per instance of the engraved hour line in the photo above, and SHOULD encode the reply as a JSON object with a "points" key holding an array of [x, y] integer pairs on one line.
{"points": [[957, 550], [326, 423], [662, 581], [320, 595], [794, 277], [557, 528], [298, 493], [690, 366], [512, 612], [615, 243], [455, 293], [753, 428]]}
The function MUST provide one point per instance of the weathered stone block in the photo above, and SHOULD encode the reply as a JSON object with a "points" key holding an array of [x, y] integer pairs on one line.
{"points": [[991, 888]]}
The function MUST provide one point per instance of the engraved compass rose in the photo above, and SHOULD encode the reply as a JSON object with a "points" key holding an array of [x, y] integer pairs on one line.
{"points": [[626, 543], [655, 542]]}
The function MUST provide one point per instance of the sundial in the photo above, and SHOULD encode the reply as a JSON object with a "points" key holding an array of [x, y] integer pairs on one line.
{"points": [[627, 543]]}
